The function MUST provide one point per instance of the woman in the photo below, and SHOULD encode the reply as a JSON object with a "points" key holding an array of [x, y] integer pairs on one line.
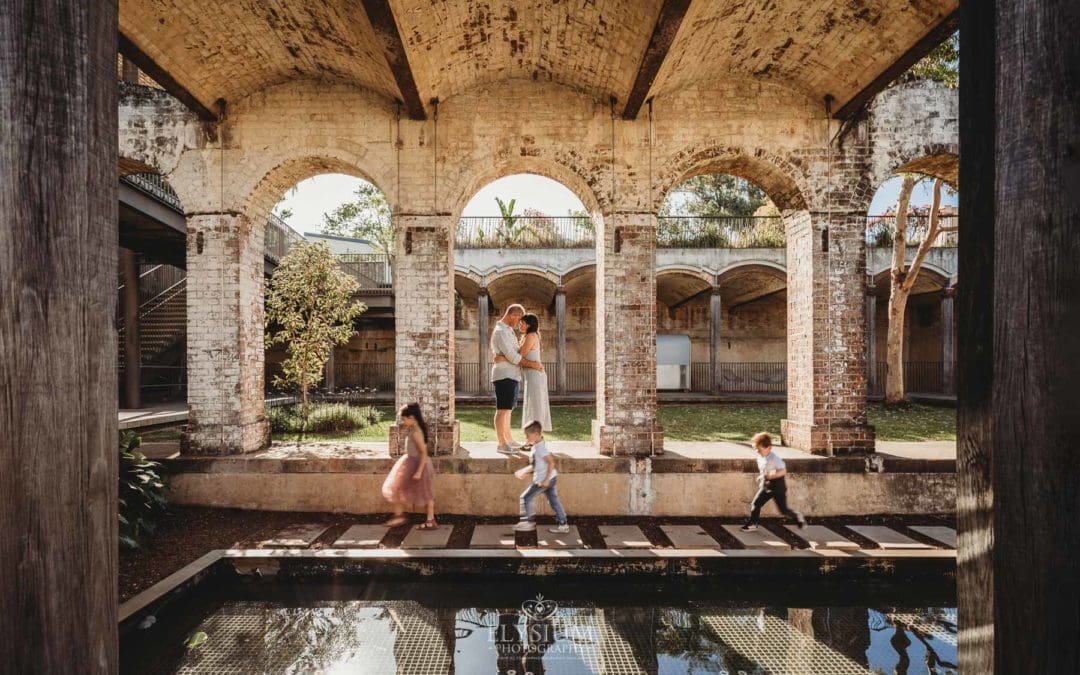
{"points": [[536, 407], [411, 482]]}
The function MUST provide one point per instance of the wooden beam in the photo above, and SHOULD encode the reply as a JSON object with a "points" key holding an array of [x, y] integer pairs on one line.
{"points": [[386, 30], [667, 25], [58, 422], [938, 34], [146, 64]]}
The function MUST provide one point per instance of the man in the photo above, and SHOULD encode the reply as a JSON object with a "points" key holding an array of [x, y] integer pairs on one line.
{"points": [[506, 375]]}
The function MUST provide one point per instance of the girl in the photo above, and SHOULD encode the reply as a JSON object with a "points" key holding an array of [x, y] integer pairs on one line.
{"points": [[412, 480]]}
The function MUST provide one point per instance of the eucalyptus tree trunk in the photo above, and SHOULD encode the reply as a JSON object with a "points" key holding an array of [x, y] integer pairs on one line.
{"points": [[902, 280]]}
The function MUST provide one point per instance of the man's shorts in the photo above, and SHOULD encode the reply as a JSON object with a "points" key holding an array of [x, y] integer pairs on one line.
{"points": [[506, 393]]}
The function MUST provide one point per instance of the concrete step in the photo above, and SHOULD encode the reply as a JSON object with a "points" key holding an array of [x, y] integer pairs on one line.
{"points": [[493, 536], [294, 536], [821, 537], [887, 538], [689, 537], [946, 536], [417, 538], [760, 539], [624, 536], [571, 539], [361, 536]]}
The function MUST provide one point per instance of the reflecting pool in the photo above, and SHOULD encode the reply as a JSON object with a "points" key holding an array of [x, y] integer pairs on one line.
{"points": [[554, 626]]}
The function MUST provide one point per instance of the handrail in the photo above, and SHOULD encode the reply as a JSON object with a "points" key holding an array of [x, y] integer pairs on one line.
{"points": [[880, 230], [525, 231], [720, 232]]}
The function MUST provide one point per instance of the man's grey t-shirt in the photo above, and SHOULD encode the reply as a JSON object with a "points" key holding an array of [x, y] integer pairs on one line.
{"points": [[504, 341]]}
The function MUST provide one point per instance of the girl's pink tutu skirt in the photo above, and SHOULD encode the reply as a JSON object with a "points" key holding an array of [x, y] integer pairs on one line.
{"points": [[400, 488]]}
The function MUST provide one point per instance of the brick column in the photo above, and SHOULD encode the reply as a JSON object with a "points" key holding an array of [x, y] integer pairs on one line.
{"points": [[715, 315], [483, 341], [424, 326], [225, 346], [871, 338], [560, 339], [827, 334], [948, 341], [626, 336]]}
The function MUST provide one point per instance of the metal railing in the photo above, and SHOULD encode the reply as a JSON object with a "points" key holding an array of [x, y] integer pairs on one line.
{"points": [[880, 230], [920, 377], [753, 377], [720, 232], [373, 271], [155, 185], [377, 376], [279, 238], [580, 376], [525, 231]]}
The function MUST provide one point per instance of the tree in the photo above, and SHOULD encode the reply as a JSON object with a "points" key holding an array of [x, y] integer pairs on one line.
{"points": [[942, 64], [902, 279], [718, 195], [366, 217], [309, 309], [508, 231]]}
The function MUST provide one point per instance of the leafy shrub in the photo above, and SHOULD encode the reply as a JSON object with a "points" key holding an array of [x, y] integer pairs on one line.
{"points": [[322, 418], [141, 492]]}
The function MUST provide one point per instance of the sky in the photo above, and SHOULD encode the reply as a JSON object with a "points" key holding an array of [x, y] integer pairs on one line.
{"points": [[316, 196]]}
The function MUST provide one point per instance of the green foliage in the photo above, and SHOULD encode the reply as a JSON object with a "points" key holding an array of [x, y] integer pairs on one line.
{"points": [[509, 231], [942, 64], [322, 418], [309, 303], [141, 496], [366, 217], [715, 195]]}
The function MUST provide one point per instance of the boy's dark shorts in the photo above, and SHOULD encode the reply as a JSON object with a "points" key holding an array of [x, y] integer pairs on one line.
{"points": [[506, 393]]}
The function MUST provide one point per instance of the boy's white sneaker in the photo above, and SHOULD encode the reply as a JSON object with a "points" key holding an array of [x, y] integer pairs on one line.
{"points": [[559, 529], [525, 526], [748, 528]]}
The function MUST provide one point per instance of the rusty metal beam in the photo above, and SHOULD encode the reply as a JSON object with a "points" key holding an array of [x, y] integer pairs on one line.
{"points": [[386, 30], [146, 64], [667, 25], [938, 34]]}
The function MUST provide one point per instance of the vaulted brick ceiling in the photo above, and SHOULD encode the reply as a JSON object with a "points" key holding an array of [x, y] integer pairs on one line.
{"points": [[230, 48]]}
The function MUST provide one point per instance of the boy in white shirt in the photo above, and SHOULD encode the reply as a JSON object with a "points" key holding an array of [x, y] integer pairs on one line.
{"points": [[771, 472], [544, 478]]}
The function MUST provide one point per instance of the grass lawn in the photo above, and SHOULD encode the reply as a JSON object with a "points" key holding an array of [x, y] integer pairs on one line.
{"points": [[719, 422]]}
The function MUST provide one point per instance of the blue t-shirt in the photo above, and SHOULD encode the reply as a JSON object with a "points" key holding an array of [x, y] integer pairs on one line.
{"points": [[768, 463], [540, 464]]}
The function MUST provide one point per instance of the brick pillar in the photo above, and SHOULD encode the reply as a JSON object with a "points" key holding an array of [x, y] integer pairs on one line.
{"points": [[948, 341], [715, 315], [626, 336], [129, 261], [483, 341], [871, 338], [560, 339], [424, 326], [826, 335], [225, 346]]}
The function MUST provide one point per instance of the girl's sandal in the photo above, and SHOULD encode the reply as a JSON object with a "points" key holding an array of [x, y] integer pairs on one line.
{"points": [[428, 525]]}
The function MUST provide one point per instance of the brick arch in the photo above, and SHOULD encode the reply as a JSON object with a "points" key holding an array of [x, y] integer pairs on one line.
{"points": [[738, 269], [522, 284], [672, 270], [777, 176], [937, 161], [285, 173], [562, 170], [929, 271]]}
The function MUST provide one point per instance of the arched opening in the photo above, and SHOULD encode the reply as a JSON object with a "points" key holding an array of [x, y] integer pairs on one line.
{"points": [[925, 335], [352, 217], [151, 315], [524, 210], [719, 210]]}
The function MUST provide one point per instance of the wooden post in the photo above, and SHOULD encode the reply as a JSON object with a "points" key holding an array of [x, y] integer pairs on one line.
{"points": [[58, 261], [483, 337], [560, 339], [129, 261], [129, 71], [715, 342]]}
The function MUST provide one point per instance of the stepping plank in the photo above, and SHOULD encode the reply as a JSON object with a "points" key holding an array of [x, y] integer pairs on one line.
{"points": [[886, 538], [689, 536], [361, 536], [624, 536], [417, 538], [493, 536], [294, 536], [571, 539], [820, 537], [760, 538], [943, 535]]}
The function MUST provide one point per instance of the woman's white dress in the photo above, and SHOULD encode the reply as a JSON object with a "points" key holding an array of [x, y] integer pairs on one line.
{"points": [[536, 405]]}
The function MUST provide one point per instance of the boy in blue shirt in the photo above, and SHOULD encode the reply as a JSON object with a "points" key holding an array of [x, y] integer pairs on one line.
{"points": [[544, 478], [771, 472]]}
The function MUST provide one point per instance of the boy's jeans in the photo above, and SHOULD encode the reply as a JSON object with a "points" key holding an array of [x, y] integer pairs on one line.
{"points": [[530, 493], [770, 490]]}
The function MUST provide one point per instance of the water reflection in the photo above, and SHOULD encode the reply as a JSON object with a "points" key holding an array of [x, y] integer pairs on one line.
{"points": [[380, 633]]}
